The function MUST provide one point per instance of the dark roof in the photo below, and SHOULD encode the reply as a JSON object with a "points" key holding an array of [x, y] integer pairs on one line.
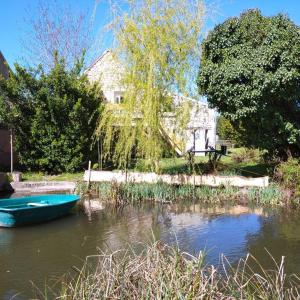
{"points": [[4, 69]]}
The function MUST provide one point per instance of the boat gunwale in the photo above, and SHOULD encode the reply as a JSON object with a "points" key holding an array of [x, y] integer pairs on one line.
{"points": [[75, 198]]}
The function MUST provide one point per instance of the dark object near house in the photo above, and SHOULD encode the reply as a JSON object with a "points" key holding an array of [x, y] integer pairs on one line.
{"points": [[214, 155], [223, 149]]}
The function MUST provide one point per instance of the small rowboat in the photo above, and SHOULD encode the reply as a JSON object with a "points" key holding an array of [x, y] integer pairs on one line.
{"points": [[34, 209]]}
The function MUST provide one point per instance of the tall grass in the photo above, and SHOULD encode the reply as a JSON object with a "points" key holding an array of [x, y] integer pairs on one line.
{"points": [[122, 193], [271, 195], [164, 272]]}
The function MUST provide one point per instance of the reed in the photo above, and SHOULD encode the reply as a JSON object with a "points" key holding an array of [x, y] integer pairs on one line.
{"points": [[164, 272], [123, 193], [271, 195]]}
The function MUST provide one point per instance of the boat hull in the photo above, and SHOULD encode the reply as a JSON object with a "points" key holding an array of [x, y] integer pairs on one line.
{"points": [[35, 209]]}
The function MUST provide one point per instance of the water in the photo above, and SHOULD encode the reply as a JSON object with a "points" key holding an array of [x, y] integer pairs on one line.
{"points": [[44, 252]]}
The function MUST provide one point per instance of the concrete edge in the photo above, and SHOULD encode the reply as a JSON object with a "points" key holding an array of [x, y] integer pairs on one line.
{"points": [[197, 180], [43, 186]]}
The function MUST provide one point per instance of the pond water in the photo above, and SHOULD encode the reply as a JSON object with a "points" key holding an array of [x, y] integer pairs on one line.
{"points": [[42, 253]]}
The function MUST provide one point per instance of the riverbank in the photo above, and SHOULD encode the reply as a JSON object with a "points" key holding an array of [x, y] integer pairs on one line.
{"points": [[124, 193], [165, 272]]}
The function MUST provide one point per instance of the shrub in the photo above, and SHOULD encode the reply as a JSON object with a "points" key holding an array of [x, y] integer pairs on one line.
{"points": [[226, 131], [53, 115], [246, 155], [288, 173], [250, 74]]}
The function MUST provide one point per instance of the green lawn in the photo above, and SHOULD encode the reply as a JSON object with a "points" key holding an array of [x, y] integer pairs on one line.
{"points": [[35, 176], [250, 167]]}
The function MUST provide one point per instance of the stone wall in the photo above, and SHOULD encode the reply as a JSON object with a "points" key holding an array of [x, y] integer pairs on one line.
{"points": [[43, 186], [197, 180]]}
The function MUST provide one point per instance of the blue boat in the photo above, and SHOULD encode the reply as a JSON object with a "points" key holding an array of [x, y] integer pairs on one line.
{"points": [[35, 209]]}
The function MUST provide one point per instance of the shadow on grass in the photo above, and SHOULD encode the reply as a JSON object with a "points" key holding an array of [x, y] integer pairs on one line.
{"points": [[200, 168], [226, 167], [252, 170]]}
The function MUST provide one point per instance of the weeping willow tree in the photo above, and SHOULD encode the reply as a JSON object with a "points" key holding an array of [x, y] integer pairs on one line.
{"points": [[157, 43]]}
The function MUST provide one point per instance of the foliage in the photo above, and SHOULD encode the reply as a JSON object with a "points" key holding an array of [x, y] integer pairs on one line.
{"points": [[226, 131], [53, 116], [289, 175], [246, 155], [250, 72], [165, 272], [157, 45]]}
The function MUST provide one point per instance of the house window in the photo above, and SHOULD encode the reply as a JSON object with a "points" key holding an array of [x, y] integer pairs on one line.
{"points": [[206, 139], [118, 97]]}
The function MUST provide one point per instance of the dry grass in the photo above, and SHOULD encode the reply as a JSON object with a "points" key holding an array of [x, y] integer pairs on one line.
{"points": [[163, 272]]}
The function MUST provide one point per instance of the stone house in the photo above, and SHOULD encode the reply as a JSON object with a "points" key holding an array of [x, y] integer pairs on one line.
{"points": [[201, 129], [4, 132]]}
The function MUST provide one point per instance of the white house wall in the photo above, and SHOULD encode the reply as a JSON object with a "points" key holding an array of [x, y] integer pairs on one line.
{"points": [[108, 72]]}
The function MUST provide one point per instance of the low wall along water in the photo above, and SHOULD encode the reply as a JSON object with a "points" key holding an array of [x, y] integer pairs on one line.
{"points": [[43, 186], [197, 180]]}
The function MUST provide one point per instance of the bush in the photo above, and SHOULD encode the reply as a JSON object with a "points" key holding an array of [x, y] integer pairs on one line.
{"points": [[53, 115], [246, 155], [227, 131], [288, 173], [249, 72]]}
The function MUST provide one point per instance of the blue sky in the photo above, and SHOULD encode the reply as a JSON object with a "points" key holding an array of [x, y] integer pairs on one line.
{"points": [[13, 13]]}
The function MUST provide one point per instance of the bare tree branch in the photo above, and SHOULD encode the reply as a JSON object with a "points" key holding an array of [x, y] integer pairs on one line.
{"points": [[55, 28]]}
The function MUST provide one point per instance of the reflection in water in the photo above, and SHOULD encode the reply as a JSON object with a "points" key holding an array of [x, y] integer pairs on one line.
{"points": [[51, 249], [214, 232], [210, 210], [279, 235]]}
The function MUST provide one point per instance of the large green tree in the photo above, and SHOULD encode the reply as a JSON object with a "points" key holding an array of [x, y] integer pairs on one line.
{"points": [[250, 72], [53, 116]]}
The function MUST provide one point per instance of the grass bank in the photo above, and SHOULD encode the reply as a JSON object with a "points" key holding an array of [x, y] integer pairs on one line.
{"points": [[164, 272], [123, 193], [240, 161], [38, 176]]}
